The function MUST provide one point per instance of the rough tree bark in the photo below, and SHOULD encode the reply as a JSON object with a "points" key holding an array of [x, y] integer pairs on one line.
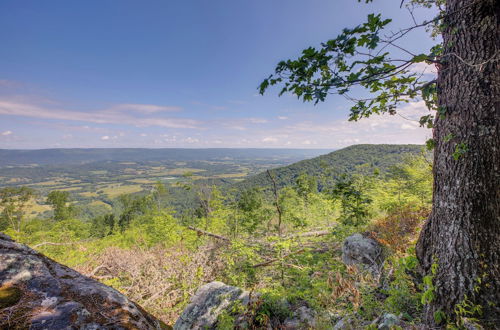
{"points": [[462, 234]]}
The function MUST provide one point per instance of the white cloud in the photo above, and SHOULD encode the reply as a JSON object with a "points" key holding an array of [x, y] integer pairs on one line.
{"points": [[282, 117], [114, 115], [105, 137], [269, 139], [409, 126], [256, 120], [142, 108], [6, 133], [143, 134], [422, 67], [191, 140]]}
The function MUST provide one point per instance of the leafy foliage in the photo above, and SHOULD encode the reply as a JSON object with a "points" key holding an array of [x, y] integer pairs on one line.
{"points": [[59, 200], [13, 202]]}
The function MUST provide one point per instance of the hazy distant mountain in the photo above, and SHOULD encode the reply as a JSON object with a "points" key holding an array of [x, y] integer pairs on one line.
{"points": [[81, 156]]}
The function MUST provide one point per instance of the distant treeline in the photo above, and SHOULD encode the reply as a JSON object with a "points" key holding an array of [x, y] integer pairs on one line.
{"points": [[80, 156]]}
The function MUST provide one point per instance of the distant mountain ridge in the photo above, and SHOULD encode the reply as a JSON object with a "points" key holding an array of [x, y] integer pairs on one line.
{"points": [[81, 156], [381, 156]]}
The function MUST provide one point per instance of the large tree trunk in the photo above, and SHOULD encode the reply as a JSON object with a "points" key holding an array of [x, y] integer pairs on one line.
{"points": [[462, 234]]}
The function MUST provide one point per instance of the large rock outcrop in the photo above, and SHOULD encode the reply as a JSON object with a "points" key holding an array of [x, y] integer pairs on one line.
{"points": [[39, 293], [363, 251], [207, 304], [215, 298]]}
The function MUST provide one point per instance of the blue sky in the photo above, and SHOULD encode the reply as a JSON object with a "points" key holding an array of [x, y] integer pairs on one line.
{"points": [[158, 73]]}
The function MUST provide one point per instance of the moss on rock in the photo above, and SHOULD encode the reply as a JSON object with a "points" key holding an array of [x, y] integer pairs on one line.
{"points": [[9, 296]]}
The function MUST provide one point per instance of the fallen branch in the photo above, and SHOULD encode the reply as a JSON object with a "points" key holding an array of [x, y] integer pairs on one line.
{"points": [[57, 244], [311, 234], [50, 243], [206, 233], [98, 268], [273, 260], [270, 261]]}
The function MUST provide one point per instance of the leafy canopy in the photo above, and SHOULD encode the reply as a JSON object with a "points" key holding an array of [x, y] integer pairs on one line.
{"points": [[362, 61]]}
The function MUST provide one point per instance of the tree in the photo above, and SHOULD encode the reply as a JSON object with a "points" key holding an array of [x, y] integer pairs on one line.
{"points": [[159, 194], [59, 200], [250, 205], [103, 225], [459, 246], [305, 185], [132, 207], [355, 203], [13, 203]]}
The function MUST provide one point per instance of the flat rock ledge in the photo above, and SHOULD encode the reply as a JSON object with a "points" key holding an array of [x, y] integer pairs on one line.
{"points": [[39, 293]]}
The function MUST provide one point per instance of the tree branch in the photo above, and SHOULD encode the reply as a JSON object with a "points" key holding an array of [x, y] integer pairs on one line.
{"points": [[206, 233]]}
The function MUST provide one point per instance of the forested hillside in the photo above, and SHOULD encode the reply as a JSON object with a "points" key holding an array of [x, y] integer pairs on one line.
{"points": [[373, 157]]}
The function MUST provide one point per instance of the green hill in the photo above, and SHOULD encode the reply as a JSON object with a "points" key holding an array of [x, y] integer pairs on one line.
{"points": [[347, 160]]}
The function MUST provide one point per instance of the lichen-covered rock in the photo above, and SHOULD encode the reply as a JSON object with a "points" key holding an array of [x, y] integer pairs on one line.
{"points": [[302, 317], [345, 323], [388, 321], [207, 304], [361, 250], [213, 299], [39, 293]]}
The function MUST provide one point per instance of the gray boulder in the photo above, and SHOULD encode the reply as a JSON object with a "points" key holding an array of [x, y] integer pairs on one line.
{"points": [[302, 318], [39, 293], [363, 251], [345, 323], [387, 321], [207, 304]]}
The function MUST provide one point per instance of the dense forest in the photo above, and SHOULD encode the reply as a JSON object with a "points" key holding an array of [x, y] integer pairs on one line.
{"points": [[348, 160], [282, 241]]}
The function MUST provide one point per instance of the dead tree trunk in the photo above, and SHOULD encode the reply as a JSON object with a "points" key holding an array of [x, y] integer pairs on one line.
{"points": [[462, 234]]}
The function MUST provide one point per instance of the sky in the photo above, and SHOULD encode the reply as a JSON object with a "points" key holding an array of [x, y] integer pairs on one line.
{"points": [[159, 73]]}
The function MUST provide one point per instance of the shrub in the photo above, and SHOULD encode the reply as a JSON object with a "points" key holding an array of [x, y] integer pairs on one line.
{"points": [[399, 228]]}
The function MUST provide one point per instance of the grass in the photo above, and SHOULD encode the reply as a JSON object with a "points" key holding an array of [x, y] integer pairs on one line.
{"points": [[100, 172], [70, 189], [88, 194], [142, 181], [100, 203], [34, 208], [116, 190], [53, 182], [182, 170], [231, 175]]}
